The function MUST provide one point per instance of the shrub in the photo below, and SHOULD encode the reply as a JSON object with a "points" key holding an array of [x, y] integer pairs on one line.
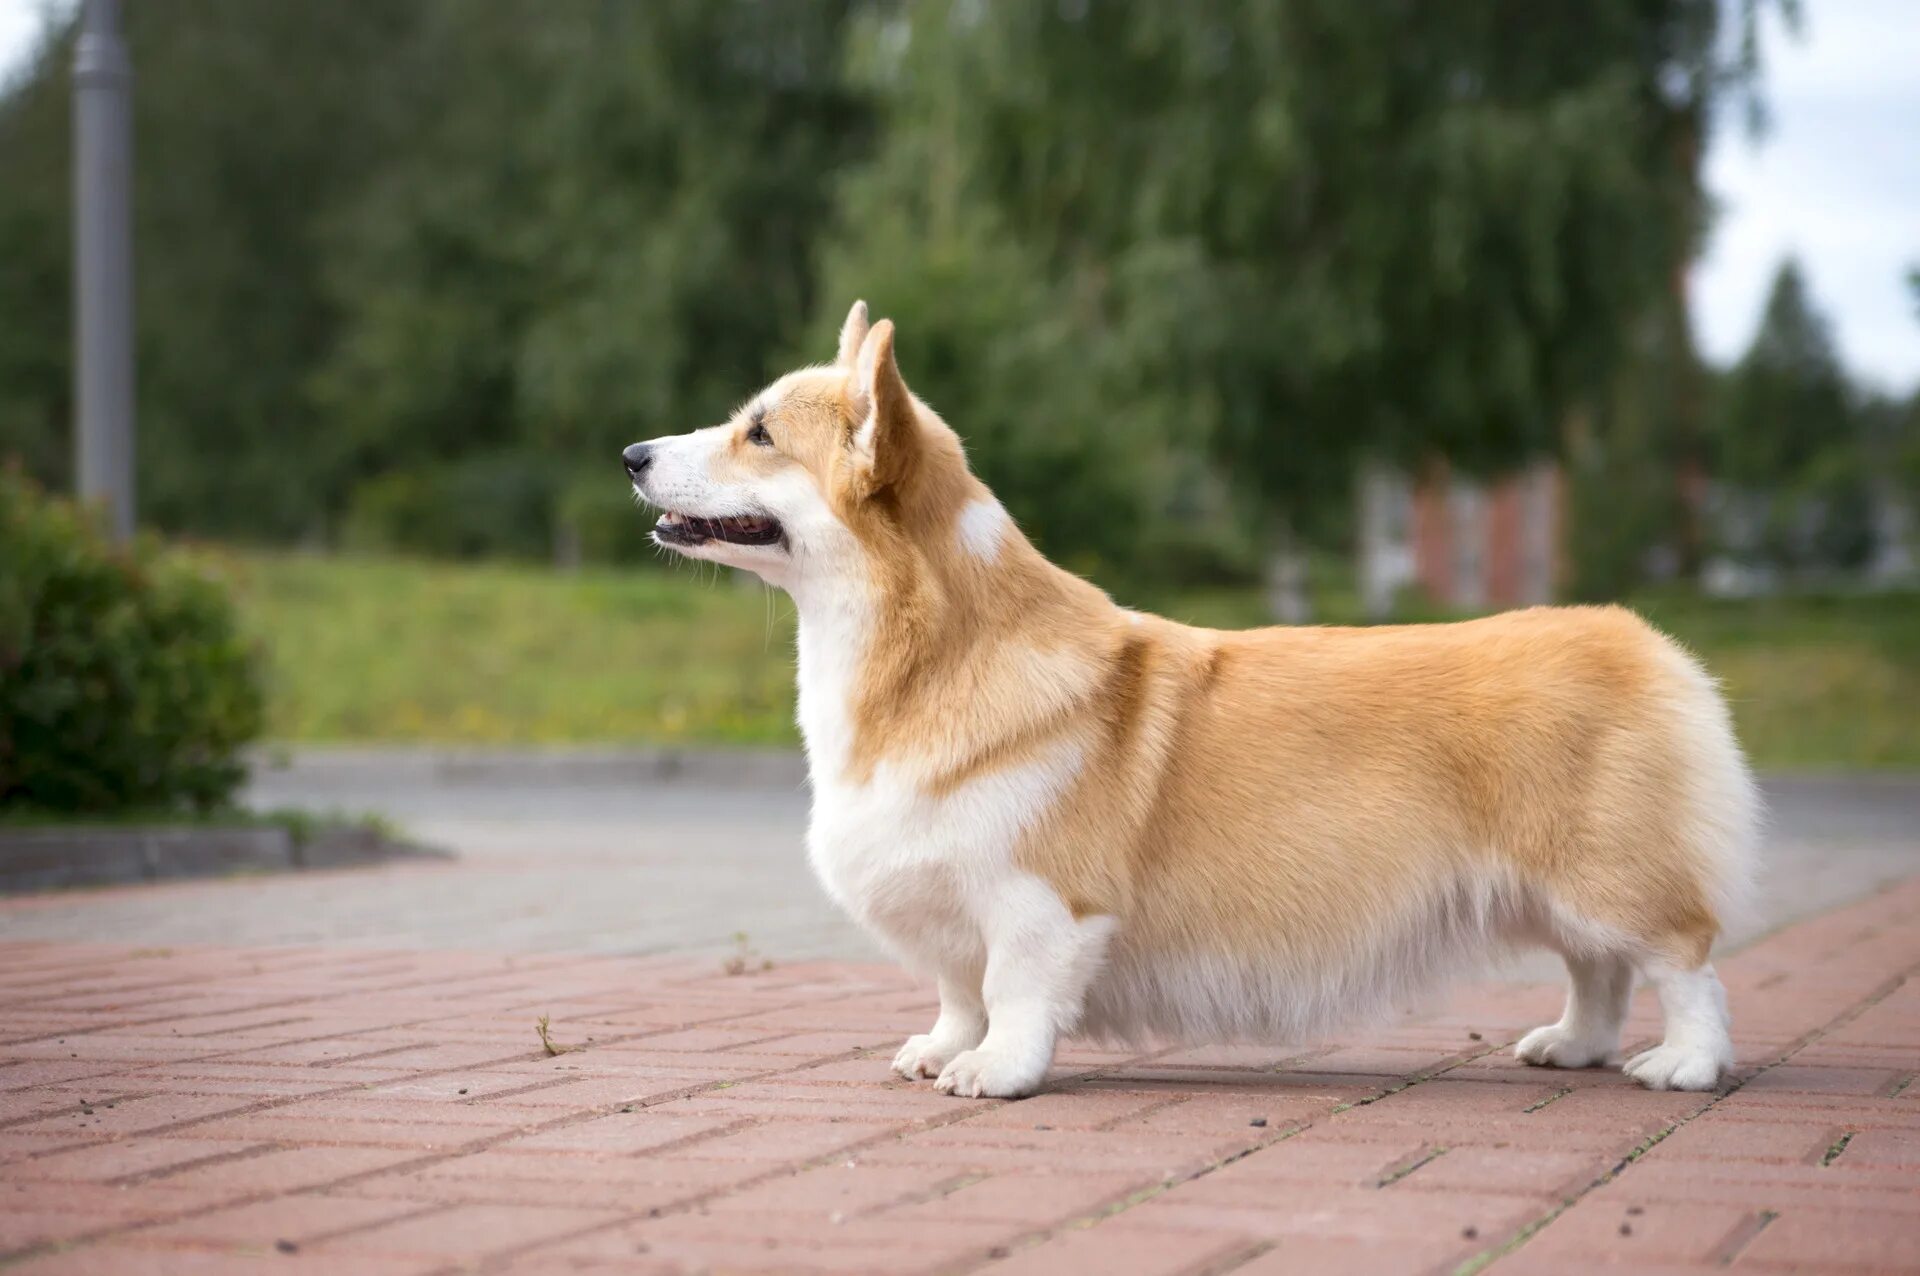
{"points": [[124, 682]]}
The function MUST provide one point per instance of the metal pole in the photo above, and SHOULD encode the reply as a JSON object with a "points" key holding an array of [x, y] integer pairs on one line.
{"points": [[103, 264]]}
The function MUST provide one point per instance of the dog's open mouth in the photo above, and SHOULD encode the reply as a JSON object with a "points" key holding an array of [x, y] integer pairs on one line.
{"points": [[683, 529]]}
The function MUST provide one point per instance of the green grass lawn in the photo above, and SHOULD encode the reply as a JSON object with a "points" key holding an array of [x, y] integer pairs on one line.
{"points": [[396, 650], [364, 649]]}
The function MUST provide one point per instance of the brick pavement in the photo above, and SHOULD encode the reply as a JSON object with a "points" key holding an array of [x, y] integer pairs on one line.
{"points": [[219, 1110]]}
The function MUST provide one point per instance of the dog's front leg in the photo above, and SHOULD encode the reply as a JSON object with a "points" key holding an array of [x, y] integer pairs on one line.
{"points": [[1040, 959], [961, 1025]]}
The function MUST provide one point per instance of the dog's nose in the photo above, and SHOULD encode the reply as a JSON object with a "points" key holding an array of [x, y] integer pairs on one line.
{"points": [[638, 457]]}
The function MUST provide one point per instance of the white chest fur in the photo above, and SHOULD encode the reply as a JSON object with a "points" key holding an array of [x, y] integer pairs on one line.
{"points": [[923, 872]]}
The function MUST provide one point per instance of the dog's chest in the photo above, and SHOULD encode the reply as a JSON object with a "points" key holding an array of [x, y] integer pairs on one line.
{"points": [[897, 864], [925, 870], [920, 862]]}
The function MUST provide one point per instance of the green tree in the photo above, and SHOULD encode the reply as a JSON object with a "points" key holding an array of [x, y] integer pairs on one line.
{"points": [[250, 121], [1320, 230], [1791, 435], [601, 232], [429, 247]]}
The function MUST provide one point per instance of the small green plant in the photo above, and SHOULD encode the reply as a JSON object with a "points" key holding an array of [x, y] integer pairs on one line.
{"points": [[547, 1042], [744, 958], [124, 680]]}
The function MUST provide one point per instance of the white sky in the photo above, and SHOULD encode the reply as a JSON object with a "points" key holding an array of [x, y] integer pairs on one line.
{"points": [[1836, 181]]}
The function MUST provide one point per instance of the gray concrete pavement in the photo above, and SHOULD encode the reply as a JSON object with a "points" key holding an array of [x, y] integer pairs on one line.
{"points": [[577, 860]]}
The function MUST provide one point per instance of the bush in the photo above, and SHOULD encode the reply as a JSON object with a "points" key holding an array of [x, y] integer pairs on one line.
{"points": [[124, 683]]}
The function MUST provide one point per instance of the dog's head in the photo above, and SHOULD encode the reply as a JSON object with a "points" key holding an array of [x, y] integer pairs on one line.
{"points": [[819, 464]]}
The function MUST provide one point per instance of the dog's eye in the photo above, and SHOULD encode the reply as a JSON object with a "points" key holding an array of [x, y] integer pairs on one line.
{"points": [[758, 436]]}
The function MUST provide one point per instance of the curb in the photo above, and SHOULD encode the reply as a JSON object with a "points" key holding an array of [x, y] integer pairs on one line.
{"points": [[42, 859], [379, 766]]}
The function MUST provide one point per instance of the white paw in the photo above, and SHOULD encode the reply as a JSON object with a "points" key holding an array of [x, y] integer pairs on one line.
{"points": [[1557, 1046], [989, 1074], [922, 1056], [1675, 1068]]}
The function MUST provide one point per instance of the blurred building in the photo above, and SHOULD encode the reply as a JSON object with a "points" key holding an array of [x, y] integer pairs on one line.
{"points": [[1462, 542]]}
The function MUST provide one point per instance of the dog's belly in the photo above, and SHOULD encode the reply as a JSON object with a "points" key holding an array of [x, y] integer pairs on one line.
{"points": [[1295, 988]]}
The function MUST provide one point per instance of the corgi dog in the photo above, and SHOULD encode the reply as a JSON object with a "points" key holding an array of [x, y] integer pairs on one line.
{"points": [[1079, 819]]}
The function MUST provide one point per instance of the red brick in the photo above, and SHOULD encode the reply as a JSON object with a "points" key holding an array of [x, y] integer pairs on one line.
{"points": [[132, 1116], [1526, 1173], [1882, 1149], [691, 1244], [1307, 1159], [288, 1169], [151, 1081], [1856, 1111], [32, 1213], [16, 1074], [424, 1136], [777, 1141], [133, 1259], [103, 1162], [17, 1148], [814, 1045], [621, 1134], [1115, 1249], [1366, 1214], [465, 1231], [19, 1107], [1439, 1251], [1218, 1114], [1769, 1184], [1793, 1076], [831, 1191], [300, 1218], [628, 1186], [1803, 1239], [960, 1147], [1033, 1200], [1656, 1231], [1074, 1109], [358, 1106], [763, 1101], [1709, 1140]]}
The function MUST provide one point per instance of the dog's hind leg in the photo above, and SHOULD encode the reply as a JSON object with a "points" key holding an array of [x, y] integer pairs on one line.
{"points": [[1698, 1046], [1589, 1028]]}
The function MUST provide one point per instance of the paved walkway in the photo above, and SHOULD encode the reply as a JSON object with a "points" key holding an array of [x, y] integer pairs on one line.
{"points": [[326, 1110]]}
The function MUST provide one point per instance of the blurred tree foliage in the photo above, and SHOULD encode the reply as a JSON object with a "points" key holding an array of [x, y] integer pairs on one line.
{"points": [[1796, 441], [251, 121], [464, 248], [410, 270]]}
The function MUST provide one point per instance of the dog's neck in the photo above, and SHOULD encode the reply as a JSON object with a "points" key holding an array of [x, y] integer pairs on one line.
{"points": [[937, 648]]}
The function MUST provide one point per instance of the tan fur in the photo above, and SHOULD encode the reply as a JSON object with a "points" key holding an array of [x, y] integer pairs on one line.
{"points": [[1271, 791]]}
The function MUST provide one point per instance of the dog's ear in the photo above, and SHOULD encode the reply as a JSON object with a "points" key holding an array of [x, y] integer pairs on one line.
{"points": [[887, 440], [853, 334]]}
